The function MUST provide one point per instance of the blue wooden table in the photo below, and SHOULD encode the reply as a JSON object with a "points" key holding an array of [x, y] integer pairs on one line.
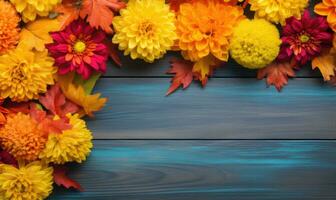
{"points": [[235, 139]]}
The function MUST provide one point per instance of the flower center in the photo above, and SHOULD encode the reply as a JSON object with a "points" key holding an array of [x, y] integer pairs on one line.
{"points": [[79, 46], [17, 72], [146, 28], [304, 38]]}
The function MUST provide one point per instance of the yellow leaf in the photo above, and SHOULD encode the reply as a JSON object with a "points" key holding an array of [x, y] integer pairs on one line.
{"points": [[204, 67], [36, 34], [77, 94], [326, 64]]}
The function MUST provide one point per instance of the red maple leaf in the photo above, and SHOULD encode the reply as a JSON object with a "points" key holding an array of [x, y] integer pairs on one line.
{"points": [[277, 74], [183, 74], [55, 102], [61, 179]]}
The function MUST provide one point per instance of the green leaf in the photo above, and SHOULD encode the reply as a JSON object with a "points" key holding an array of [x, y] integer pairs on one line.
{"points": [[88, 84]]}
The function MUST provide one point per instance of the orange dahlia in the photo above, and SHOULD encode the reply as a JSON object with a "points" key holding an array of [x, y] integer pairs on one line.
{"points": [[9, 20], [205, 28], [327, 8], [21, 137]]}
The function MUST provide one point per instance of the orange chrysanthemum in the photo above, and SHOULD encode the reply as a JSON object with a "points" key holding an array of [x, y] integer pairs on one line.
{"points": [[328, 8], [21, 137], [205, 28], [9, 20]]}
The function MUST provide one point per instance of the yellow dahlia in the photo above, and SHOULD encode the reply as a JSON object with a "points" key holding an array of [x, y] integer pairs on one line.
{"points": [[205, 28], [21, 137], [28, 182], [72, 145], [25, 73], [9, 31], [29, 9], [145, 29], [255, 43], [278, 11]]}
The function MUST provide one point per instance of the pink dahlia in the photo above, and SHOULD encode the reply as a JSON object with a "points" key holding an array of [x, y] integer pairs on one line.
{"points": [[80, 48], [304, 39]]}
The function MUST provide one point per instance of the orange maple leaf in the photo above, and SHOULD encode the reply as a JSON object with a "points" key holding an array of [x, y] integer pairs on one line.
{"points": [[326, 63], [183, 74], [68, 12], [99, 13], [277, 74]]}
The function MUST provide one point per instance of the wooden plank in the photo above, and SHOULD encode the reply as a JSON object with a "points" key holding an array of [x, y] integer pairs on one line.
{"points": [[226, 109], [138, 68], [202, 170]]}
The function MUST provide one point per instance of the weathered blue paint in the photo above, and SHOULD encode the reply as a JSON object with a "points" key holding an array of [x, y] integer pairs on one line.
{"points": [[228, 108], [204, 170]]}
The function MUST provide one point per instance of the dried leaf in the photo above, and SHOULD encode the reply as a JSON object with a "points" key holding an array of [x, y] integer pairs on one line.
{"points": [[68, 12], [113, 53], [36, 34], [183, 74], [61, 179], [55, 102], [77, 94], [100, 12], [326, 63], [88, 84], [204, 68], [277, 74]]}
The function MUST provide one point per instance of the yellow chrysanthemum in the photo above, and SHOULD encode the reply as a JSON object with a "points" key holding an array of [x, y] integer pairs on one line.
{"points": [[28, 182], [255, 43], [21, 137], [29, 9], [9, 31], [205, 28], [278, 11], [72, 145], [25, 73], [145, 29]]}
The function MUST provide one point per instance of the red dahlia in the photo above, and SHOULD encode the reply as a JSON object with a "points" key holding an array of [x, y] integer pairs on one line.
{"points": [[305, 38], [79, 48]]}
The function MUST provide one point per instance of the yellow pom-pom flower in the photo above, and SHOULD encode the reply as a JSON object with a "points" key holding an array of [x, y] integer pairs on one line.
{"points": [[30, 9], [9, 31], [72, 145], [145, 29], [25, 73], [278, 11], [21, 137], [255, 43], [28, 182], [205, 28]]}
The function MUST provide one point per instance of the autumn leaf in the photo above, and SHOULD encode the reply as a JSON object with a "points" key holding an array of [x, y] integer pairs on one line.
{"points": [[277, 74], [113, 53], [61, 179], [67, 12], [99, 13], [204, 68], [183, 74], [36, 34], [76, 94], [326, 63], [6, 158], [47, 123], [55, 102]]}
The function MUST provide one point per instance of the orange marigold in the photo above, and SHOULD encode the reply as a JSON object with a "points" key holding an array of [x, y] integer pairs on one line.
{"points": [[21, 137], [205, 27], [9, 20]]}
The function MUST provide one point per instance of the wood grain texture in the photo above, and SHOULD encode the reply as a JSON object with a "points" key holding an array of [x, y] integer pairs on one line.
{"points": [[207, 170], [226, 109], [138, 68]]}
